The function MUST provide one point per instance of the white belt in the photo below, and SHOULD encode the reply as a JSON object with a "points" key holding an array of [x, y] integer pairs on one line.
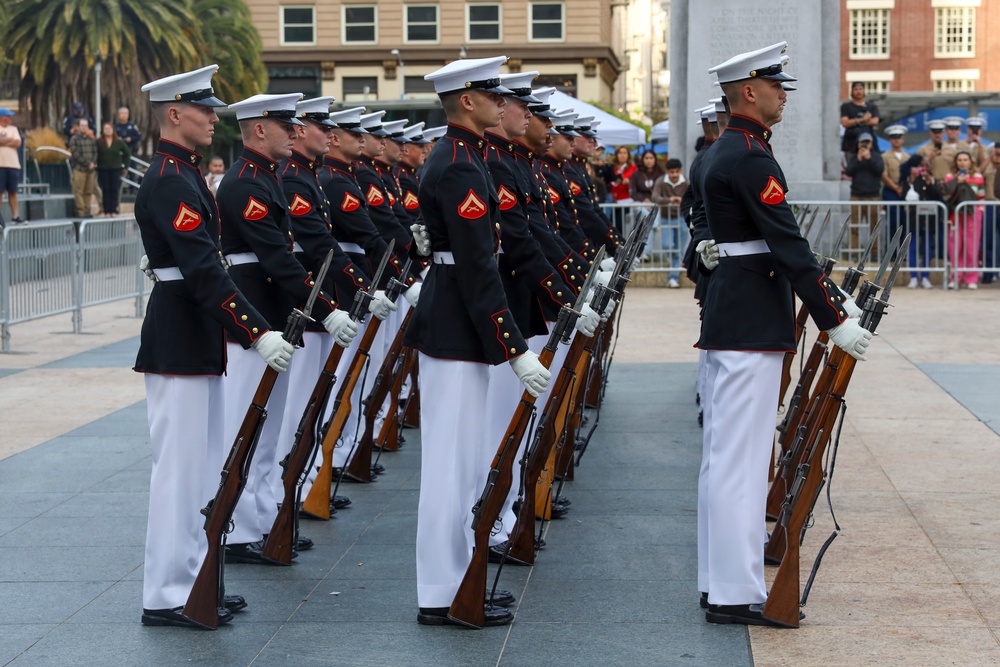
{"points": [[242, 258], [167, 274], [444, 258], [352, 247], [296, 247], [758, 247]]}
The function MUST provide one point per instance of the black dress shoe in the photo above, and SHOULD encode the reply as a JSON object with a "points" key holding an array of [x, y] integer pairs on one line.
{"points": [[309, 515], [496, 555], [234, 602], [303, 544], [340, 502], [742, 614], [703, 601], [501, 598], [378, 468], [558, 512], [439, 616], [247, 552], [562, 500], [173, 617]]}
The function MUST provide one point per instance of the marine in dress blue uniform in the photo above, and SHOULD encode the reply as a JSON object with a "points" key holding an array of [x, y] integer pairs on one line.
{"points": [[748, 325], [258, 244], [461, 326], [193, 306], [562, 206], [411, 159]]}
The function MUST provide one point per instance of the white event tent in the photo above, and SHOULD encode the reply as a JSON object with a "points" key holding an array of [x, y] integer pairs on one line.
{"points": [[613, 131]]}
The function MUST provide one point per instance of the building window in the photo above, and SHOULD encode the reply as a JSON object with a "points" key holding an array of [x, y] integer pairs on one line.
{"points": [[298, 25], [869, 34], [565, 83], [482, 23], [546, 21], [955, 32], [360, 88], [359, 24], [955, 86], [421, 23]]}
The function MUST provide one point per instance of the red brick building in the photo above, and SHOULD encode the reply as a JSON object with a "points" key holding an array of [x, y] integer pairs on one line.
{"points": [[920, 45]]}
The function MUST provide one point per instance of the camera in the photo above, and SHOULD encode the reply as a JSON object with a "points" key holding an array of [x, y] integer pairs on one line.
{"points": [[937, 145]]}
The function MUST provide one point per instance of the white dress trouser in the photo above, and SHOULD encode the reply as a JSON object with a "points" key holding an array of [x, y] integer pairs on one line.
{"points": [[451, 463], [257, 507], [185, 434], [302, 377], [502, 400], [740, 397]]}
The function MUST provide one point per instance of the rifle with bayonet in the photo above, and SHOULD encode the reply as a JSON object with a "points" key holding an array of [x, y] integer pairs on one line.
{"points": [[796, 416], [783, 601], [467, 608], [209, 590], [389, 438], [359, 469], [317, 502]]}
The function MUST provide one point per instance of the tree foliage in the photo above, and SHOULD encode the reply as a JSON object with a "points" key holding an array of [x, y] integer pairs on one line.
{"points": [[137, 41]]}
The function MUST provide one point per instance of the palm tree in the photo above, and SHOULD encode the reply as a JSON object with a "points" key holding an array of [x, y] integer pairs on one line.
{"points": [[232, 41], [137, 41]]}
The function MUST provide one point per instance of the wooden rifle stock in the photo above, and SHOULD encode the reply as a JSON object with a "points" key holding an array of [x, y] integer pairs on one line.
{"points": [[467, 608], [317, 502], [280, 541], [786, 364], [360, 467], [547, 430], [206, 595], [783, 601]]}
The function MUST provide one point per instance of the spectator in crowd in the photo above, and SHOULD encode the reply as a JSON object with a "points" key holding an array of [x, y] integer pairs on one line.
{"points": [[112, 160], [604, 173], [216, 170], [10, 163], [892, 187], [979, 148], [640, 184], [623, 168], [668, 190], [83, 160], [127, 130], [865, 169], [944, 145], [857, 117], [924, 224], [70, 121], [991, 176], [964, 184]]}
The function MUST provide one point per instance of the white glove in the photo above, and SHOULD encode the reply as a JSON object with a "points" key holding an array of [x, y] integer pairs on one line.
{"points": [[852, 338], [587, 322], [144, 267], [709, 251], [380, 306], [608, 309], [412, 294], [531, 373], [602, 278], [422, 239], [850, 307], [607, 264], [424, 271], [340, 325], [275, 350]]}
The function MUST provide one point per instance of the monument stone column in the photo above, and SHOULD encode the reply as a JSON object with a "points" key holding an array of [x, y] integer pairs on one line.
{"points": [[807, 140]]}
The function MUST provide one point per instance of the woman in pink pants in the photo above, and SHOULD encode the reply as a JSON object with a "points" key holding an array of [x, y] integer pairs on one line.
{"points": [[964, 184]]}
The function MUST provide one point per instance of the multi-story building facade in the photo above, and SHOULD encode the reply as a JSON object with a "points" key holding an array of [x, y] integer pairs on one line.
{"points": [[942, 46], [644, 87], [365, 50]]}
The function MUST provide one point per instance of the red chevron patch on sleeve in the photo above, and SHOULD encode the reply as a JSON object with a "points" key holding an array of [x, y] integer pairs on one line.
{"points": [[472, 207], [772, 193], [507, 198], [554, 196], [350, 203], [254, 210], [186, 218], [410, 201], [375, 196], [299, 205]]}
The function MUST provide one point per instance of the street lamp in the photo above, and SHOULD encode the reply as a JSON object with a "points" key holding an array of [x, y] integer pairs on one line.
{"points": [[97, 94], [402, 74]]}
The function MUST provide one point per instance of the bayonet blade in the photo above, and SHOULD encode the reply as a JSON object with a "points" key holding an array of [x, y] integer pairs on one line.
{"points": [[887, 257], [807, 227], [871, 244], [839, 243], [317, 284], [595, 266], [381, 268], [823, 226], [895, 268]]}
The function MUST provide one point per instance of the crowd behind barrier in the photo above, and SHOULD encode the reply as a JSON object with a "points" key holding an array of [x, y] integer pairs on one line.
{"points": [[48, 268]]}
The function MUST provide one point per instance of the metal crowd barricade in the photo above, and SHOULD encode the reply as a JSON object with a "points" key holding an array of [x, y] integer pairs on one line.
{"points": [[50, 268], [924, 220], [972, 248]]}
